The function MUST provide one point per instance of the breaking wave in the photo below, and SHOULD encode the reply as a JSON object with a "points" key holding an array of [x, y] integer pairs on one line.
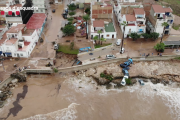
{"points": [[64, 114]]}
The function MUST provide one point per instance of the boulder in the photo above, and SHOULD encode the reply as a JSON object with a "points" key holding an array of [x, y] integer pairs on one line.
{"points": [[90, 72], [177, 79], [14, 81]]}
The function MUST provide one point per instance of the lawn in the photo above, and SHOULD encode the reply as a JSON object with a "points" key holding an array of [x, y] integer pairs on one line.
{"points": [[103, 45], [66, 49], [176, 27]]}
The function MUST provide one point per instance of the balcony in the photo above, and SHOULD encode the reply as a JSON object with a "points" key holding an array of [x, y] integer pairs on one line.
{"points": [[169, 17]]}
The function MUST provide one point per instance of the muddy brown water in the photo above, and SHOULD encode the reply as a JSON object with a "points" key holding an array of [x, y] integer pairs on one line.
{"points": [[65, 97]]}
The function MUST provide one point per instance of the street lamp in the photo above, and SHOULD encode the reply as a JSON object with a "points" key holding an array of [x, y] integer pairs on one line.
{"points": [[1, 59]]}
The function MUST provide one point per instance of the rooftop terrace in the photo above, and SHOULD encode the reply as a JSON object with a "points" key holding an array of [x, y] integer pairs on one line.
{"points": [[109, 27]]}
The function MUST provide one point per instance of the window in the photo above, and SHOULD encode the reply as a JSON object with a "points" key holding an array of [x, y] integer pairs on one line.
{"points": [[14, 54], [107, 35], [21, 54], [139, 16], [36, 10], [41, 10]]}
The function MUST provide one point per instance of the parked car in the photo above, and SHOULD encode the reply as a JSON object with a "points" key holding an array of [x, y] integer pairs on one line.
{"points": [[66, 10], [118, 42], [141, 82], [110, 56], [123, 50], [126, 73], [53, 10], [123, 82], [123, 65], [92, 59], [64, 15]]}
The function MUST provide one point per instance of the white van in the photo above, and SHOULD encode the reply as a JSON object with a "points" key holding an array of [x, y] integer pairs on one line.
{"points": [[118, 42]]}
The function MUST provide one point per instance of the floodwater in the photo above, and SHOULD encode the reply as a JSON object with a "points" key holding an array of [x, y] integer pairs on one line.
{"points": [[66, 97]]}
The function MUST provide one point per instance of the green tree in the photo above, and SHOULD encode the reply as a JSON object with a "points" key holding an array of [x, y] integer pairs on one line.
{"points": [[55, 70], [128, 81], [70, 19], [72, 13], [159, 47], [72, 7], [154, 35], [87, 10], [102, 39], [164, 24], [134, 36], [86, 18], [99, 32], [145, 35], [69, 29], [95, 39], [124, 24]]}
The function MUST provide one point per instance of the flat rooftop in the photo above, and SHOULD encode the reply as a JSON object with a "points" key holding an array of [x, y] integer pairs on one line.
{"points": [[28, 32], [4, 37], [36, 21], [171, 42], [109, 27], [11, 41], [16, 29]]}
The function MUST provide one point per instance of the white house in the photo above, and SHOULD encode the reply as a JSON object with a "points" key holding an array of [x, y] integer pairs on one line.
{"points": [[134, 22], [158, 15], [40, 4], [18, 42], [107, 29]]}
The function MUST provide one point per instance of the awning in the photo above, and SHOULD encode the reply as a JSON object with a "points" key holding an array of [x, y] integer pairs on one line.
{"points": [[0, 52], [8, 54]]}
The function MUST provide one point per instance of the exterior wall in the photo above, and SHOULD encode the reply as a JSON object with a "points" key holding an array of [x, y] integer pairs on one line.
{"points": [[98, 28], [33, 38], [40, 5], [105, 35]]}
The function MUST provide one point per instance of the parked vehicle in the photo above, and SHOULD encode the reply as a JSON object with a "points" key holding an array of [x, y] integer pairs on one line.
{"points": [[128, 62], [123, 50], [118, 42], [92, 59], [123, 82], [66, 10], [56, 47], [141, 82], [123, 65], [126, 73], [110, 56], [53, 10], [64, 15]]}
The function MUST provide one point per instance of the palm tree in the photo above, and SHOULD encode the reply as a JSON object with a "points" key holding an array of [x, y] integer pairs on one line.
{"points": [[124, 24], [86, 18], [102, 39], [164, 24], [99, 32], [95, 39]]}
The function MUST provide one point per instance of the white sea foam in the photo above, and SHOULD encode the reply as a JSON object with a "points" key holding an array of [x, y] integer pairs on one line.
{"points": [[64, 114]]}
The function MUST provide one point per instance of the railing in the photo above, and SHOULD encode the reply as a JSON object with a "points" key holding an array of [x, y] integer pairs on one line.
{"points": [[13, 16]]}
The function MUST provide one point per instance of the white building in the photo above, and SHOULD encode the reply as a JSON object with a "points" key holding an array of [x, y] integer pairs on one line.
{"points": [[159, 15], [107, 29], [18, 42], [134, 22], [40, 4]]}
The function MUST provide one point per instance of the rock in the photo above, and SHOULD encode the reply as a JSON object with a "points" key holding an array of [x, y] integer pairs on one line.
{"points": [[177, 79], [90, 72], [14, 81], [10, 85]]}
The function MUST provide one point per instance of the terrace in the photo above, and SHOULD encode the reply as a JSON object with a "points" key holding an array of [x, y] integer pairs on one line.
{"points": [[109, 27]]}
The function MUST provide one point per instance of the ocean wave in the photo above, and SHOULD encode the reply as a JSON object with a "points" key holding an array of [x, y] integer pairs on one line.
{"points": [[63, 114]]}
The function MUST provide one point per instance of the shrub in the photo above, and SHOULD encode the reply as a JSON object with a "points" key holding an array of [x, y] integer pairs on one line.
{"points": [[55, 70], [69, 29], [102, 75], [128, 81], [87, 10], [154, 35], [70, 19], [159, 47], [72, 7], [72, 13], [134, 36]]}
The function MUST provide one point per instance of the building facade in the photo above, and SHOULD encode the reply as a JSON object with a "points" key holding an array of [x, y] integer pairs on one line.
{"points": [[40, 4]]}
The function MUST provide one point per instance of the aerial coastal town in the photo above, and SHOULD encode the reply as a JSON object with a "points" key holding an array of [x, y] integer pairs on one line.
{"points": [[116, 43]]}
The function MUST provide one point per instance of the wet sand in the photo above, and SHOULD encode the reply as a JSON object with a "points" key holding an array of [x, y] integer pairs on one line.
{"points": [[70, 98]]}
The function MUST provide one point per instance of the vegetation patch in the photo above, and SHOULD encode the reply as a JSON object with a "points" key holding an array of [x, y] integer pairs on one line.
{"points": [[103, 45], [67, 49], [55, 70], [177, 58], [128, 81], [176, 27], [159, 47], [107, 76]]}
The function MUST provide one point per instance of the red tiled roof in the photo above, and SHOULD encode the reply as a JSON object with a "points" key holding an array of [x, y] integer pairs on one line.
{"points": [[16, 29], [25, 46], [158, 9], [167, 9], [11, 41], [4, 37], [139, 11], [36, 21], [98, 23], [130, 18]]}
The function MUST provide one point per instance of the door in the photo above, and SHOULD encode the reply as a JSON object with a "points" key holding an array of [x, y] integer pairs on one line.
{"points": [[102, 36], [158, 15], [91, 36], [112, 36], [18, 55]]}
